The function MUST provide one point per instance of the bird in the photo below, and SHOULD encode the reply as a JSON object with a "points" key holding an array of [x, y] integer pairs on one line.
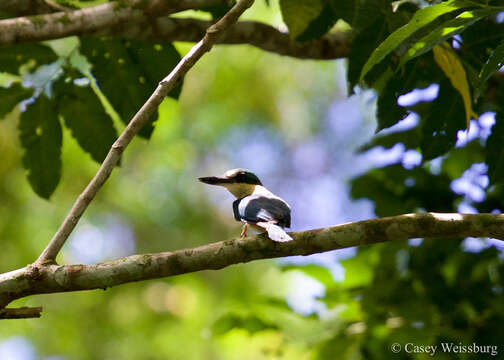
{"points": [[255, 205]]}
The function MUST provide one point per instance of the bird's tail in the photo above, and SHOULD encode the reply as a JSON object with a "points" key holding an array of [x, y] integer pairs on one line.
{"points": [[275, 232]]}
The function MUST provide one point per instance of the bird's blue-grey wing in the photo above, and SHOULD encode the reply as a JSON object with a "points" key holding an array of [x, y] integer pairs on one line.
{"points": [[256, 208], [236, 211]]}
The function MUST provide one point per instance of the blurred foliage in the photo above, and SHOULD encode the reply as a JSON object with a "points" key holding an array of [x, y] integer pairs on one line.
{"points": [[425, 292]]}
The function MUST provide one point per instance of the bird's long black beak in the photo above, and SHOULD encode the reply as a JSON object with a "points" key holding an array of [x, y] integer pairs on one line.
{"points": [[214, 180]]}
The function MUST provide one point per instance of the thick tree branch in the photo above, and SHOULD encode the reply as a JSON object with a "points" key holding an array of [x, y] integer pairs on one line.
{"points": [[78, 22], [41, 279], [25, 7], [212, 34], [167, 29], [147, 20]]}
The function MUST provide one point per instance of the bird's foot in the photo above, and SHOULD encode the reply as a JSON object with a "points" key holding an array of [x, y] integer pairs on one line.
{"points": [[244, 231]]}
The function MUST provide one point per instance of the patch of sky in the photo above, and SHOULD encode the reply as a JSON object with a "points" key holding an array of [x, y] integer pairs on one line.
{"points": [[94, 242], [419, 95], [17, 348], [472, 183]]}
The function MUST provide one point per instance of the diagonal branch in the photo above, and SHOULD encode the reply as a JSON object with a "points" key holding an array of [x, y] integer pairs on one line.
{"points": [[42, 279], [212, 34]]}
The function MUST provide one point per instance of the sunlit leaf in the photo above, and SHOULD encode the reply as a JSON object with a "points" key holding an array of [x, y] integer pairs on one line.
{"points": [[298, 14], [421, 18], [445, 31], [250, 323], [319, 273], [320, 25], [460, 159], [449, 62], [41, 138]]}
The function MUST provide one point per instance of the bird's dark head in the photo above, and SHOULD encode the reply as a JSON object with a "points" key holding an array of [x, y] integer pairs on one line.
{"points": [[234, 176], [239, 182]]}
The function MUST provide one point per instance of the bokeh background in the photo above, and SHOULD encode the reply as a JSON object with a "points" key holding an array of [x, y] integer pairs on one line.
{"points": [[292, 123]]}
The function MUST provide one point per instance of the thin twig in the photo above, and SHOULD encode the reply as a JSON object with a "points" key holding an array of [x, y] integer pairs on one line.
{"points": [[139, 120], [20, 313]]}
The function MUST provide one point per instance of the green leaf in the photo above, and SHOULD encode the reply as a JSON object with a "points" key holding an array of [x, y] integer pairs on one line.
{"points": [[41, 137], [420, 19], [359, 269], [14, 56], [319, 273], [451, 65], [388, 111], [495, 151], [320, 25], [364, 44], [494, 63], [250, 323], [11, 96], [445, 31], [361, 14], [460, 159], [409, 138], [219, 10], [127, 73], [387, 188], [86, 118], [298, 14], [445, 118]]}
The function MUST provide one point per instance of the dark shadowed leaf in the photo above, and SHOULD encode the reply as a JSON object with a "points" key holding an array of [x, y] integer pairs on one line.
{"points": [[361, 14], [444, 32], [409, 138], [388, 111], [218, 11], [421, 18], [495, 62], [417, 74], [298, 14], [365, 42], [495, 151], [16, 55], [40, 135], [86, 118], [156, 60], [445, 118], [11, 96], [127, 72], [320, 25], [388, 188]]}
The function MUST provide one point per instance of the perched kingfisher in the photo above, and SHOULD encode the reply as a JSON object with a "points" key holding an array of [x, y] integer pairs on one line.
{"points": [[255, 205]]}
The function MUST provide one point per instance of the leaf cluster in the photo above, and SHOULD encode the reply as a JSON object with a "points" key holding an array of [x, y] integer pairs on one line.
{"points": [[58, 91]]}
